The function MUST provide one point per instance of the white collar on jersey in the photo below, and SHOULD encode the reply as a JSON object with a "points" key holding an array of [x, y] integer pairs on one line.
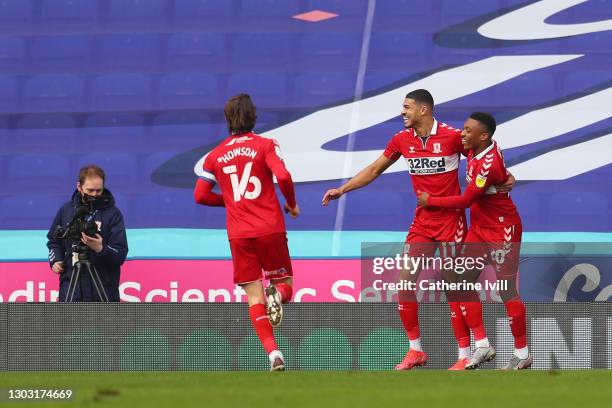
{"points": [[434, 129], [485, 151]]}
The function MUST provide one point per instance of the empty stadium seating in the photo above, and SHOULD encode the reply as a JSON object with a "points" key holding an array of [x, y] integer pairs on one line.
{"points": [[68, 53], [12, 54], [132, 84], [54, 93], [69, 13]]}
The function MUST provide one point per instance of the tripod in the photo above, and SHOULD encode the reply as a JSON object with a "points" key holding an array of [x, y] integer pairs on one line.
{"points": [[81, 263]]}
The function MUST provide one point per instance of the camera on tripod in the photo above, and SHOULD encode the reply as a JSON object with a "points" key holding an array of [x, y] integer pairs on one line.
{"points": [[78, 225], [81, 223]]}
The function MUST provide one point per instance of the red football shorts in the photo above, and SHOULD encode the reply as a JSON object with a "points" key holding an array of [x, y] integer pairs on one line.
{"points": [[501, 246], [260, 258], [425, 235]]}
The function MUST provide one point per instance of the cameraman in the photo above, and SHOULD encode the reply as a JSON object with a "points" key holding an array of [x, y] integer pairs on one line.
{"points": [[106, 250]]}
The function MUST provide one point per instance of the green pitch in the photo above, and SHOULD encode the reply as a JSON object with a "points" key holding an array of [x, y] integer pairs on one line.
{"points": [[422, 388]]}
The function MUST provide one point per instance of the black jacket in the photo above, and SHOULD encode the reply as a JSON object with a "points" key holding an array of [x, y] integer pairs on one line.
{"points": [[107, 262]]}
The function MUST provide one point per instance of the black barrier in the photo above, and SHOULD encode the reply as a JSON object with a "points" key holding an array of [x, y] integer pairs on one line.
{"points": [[313, 336]]}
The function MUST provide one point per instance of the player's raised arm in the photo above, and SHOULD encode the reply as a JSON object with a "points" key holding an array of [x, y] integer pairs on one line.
{"points": [[361, 179]]}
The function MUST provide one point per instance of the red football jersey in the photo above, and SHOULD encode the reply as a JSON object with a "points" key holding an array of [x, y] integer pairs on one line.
{"points": [[242, 164], [432, 163], [488, 207], [485, 171]]}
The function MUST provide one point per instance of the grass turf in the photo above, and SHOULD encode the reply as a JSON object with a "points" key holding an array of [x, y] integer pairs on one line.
{"points": [[423, 388]]}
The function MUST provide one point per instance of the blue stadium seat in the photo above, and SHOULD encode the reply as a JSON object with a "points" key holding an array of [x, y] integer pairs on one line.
{"points": [[358, 211], [266, 88], [399, 44], [202, 9], [122, 200], [352, 8], [580, 80], [82, 13], [46, 132], [579, 211], [266, 119], [185, 130], [5, 136], [155, 209], [535, 87], [377, 79], [270, 48], [191, 50], [121, 168], [45, 171], [54, 93], [153, 161], [333, 48], [269, 8], [8, 94], [170, 175], [114, 129], [321, 88], [454, 12], [529, 206], [316, 217], [66, 52], [179, 118], [189, 90], [26, 211], [404, 8], [595, 43], [136, 13], [12, 54], [121, 91], [128, 51], [15, 13]]}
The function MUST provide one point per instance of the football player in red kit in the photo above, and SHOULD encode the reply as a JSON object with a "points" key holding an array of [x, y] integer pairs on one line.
{"points": [[432, 151], [244, 165], [495, 230]]}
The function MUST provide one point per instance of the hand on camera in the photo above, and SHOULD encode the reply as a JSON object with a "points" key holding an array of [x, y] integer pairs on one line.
{"points": [[94, 243]]}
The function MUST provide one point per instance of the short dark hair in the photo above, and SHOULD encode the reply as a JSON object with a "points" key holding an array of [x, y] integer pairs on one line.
{"points": [[487, 120], [240, 114], [422, 96], [91, 171]]}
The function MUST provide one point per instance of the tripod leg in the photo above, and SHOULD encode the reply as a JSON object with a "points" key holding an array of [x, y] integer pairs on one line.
{"points": [[97, 282], [74, 279]]}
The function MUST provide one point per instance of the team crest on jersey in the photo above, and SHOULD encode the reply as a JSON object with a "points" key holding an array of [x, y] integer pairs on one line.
{"points": [[480, 181], [238, 140], [411, 149], [437, 148]]}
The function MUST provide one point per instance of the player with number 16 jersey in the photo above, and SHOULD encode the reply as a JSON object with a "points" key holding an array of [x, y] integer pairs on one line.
{"points": [[244, 165]]}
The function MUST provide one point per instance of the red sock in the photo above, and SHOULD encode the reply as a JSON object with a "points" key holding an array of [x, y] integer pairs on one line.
{"points": [[285, 290], [460, 327], [473, 318], [515, 309], [409, 314], [262, 327]]}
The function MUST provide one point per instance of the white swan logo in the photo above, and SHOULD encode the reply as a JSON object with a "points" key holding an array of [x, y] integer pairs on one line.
{"points": [[302, 139], [593, 278]]}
